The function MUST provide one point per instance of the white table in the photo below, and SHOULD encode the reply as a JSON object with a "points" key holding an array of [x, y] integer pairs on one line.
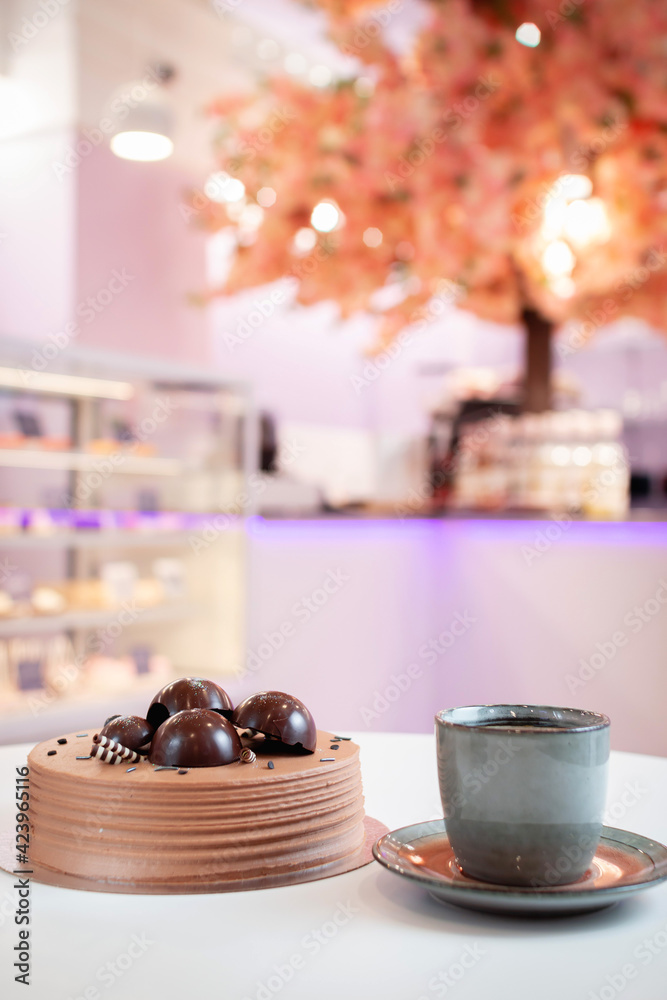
{"points": [[380, 936]]}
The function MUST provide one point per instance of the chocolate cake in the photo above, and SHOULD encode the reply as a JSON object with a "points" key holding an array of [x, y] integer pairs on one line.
{"points": [[209, 804]]}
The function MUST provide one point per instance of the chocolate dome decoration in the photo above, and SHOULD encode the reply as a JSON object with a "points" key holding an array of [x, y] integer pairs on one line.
{"points": [[195, 737], [279, 716], [186, 693], [130, 731]]}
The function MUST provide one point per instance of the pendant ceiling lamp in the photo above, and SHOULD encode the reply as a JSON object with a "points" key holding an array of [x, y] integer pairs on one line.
{"points": [[145, 118]]}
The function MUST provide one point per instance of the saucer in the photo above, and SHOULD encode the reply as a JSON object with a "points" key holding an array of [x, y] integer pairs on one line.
{"points": [[623, 863]]}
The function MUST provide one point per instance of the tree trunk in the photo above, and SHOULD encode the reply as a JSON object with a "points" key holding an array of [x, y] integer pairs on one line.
{"points": [[537, 384]]}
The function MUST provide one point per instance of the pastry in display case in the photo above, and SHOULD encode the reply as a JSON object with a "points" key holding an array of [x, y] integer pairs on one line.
{"points": [[571, 460]]}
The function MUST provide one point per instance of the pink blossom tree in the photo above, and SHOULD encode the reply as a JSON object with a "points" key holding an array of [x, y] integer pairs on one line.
{"points": [[530, 179]]}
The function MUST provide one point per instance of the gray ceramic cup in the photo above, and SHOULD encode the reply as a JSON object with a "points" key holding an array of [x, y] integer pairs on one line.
{"points": [[523, 790]]}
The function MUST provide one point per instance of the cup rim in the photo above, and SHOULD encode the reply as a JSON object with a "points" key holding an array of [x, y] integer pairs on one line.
{"points": [[597, 719]]}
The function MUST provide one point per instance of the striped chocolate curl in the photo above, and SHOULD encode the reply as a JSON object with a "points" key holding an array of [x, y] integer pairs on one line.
{"points": [[248, 756], [103, 742], [106, 755]]}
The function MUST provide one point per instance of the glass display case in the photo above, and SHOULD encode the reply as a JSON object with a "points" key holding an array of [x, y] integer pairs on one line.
{"points": [[123, 488]]}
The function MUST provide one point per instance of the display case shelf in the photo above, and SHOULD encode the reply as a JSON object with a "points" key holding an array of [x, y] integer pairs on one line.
{"points": [[73, 620], [73, 461], [90, 539]]}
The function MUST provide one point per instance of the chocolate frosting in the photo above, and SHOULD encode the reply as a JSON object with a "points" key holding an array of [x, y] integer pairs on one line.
{"points": [[144, 827], [195, 737], [186, 693], [279, 716]]}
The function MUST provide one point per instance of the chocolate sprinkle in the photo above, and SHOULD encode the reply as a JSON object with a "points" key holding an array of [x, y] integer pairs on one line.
{"points": [[52, 753], [79, 735], [334, 746], [182, 771], [327, 758], [130, 769], [341, 737], [166, 767], [62, 742], [84, 758], [270, 765]]}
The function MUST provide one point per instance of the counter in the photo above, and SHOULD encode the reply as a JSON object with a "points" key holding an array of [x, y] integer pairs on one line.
{"points": [[377, 623]]}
